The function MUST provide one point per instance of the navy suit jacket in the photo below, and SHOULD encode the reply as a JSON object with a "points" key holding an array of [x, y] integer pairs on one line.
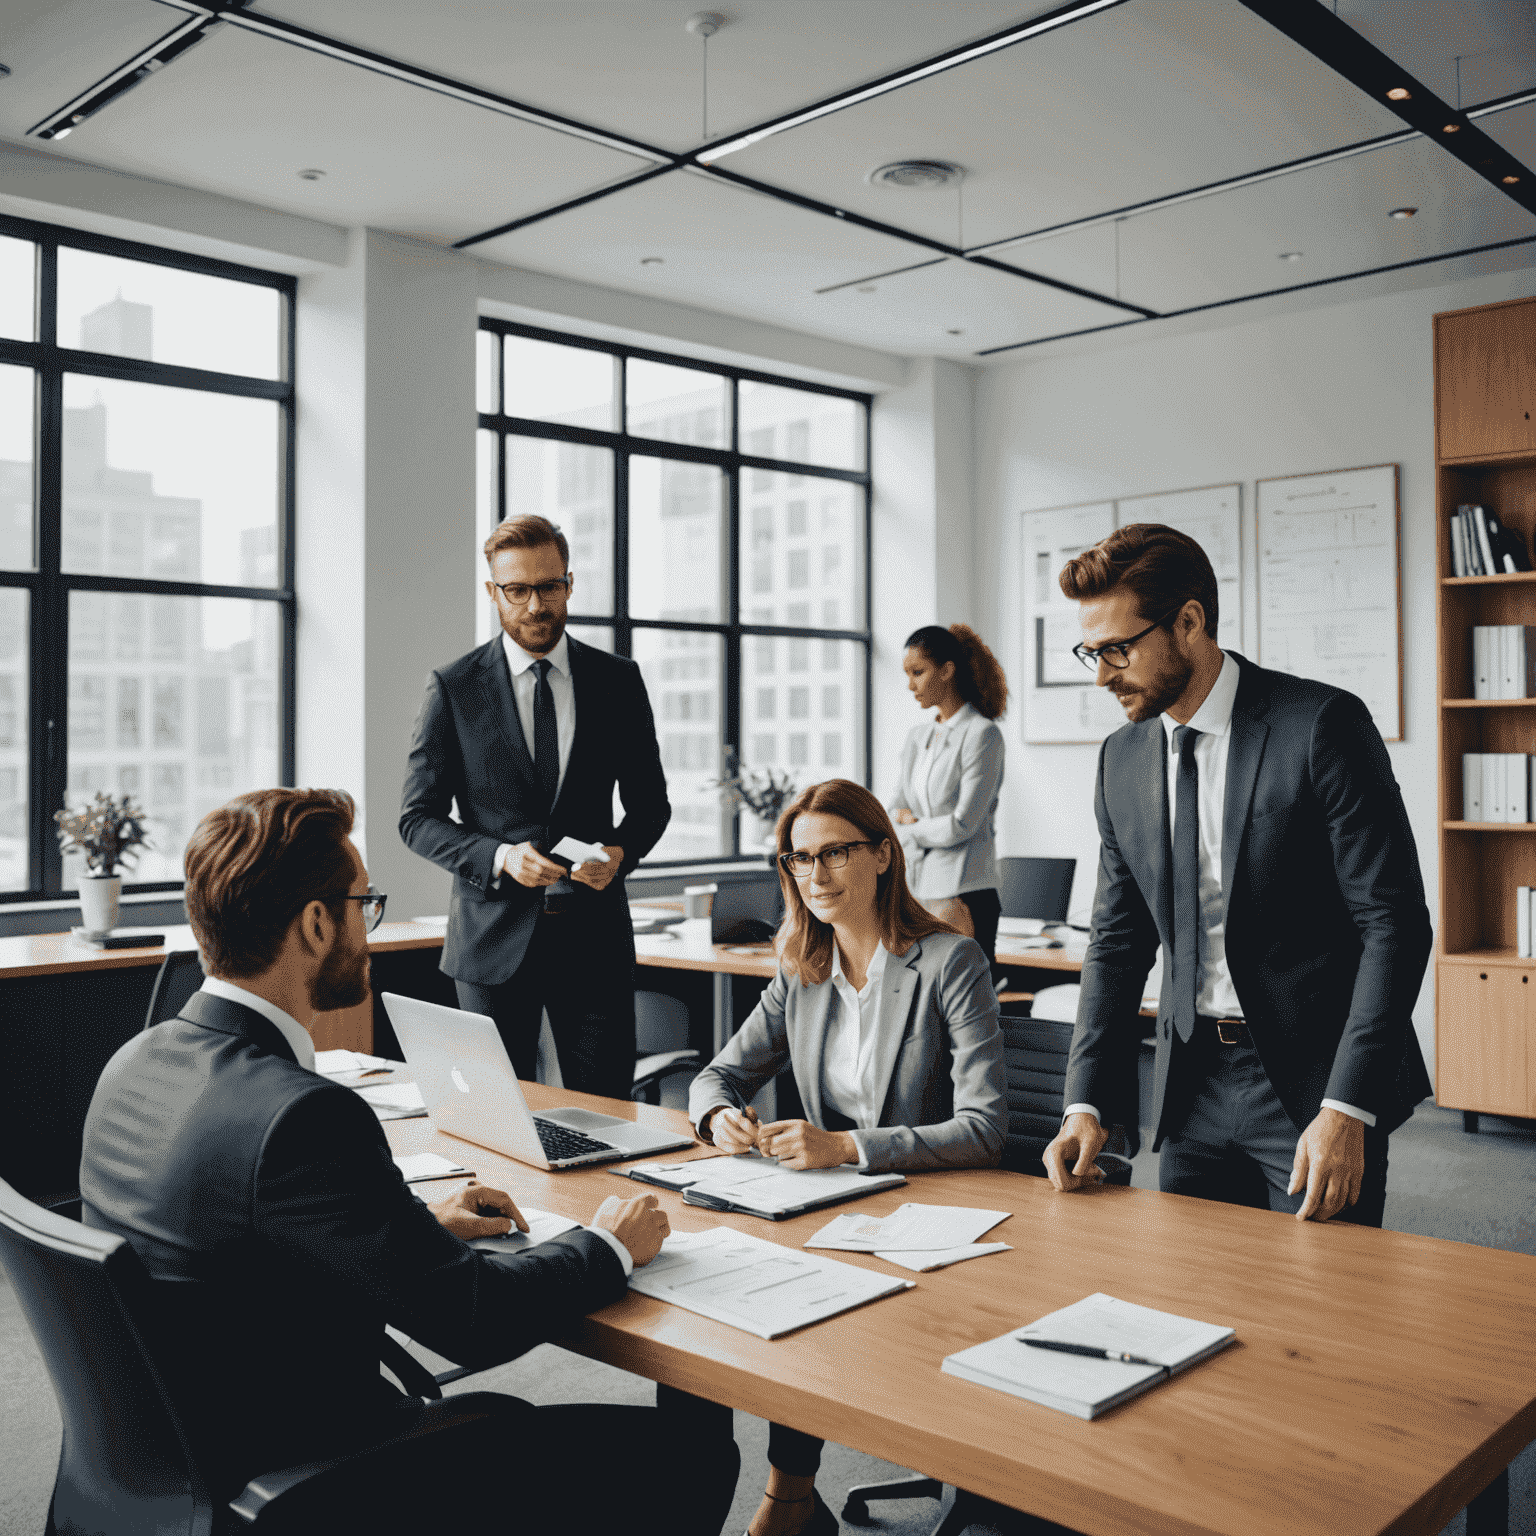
{"points": [[263, 1200], [1327, 933], [469, 749]]}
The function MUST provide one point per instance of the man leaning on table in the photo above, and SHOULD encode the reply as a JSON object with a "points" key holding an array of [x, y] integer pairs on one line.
{"points": [[263, 1200], [1251, 825]]}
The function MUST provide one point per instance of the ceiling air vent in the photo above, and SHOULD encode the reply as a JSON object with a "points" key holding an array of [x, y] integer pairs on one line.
{"points": [[916, 174]]}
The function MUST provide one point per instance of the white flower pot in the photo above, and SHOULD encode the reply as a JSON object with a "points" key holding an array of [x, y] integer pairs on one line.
{"points": [[98, 901]]}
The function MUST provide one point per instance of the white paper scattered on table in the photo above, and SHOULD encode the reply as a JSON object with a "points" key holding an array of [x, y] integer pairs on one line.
{"points": [[334, 1063], [542, 1225], [393, 1096], [752, 1284], [909, 1227], [428, 1165], [940, 1258]]}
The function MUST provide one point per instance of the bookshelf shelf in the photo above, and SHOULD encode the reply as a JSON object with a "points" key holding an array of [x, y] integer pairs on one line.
{"points": [[1489, 826], [1488, 703], [1495, 956], [1507, 579]]}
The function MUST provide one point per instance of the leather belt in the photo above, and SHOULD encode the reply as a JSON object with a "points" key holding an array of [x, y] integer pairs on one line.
{"points": [[1228, 1031]]}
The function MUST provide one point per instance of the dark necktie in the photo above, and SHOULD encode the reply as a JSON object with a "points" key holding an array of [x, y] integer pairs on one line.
{"points": [[546, 737], [1186, 882]]}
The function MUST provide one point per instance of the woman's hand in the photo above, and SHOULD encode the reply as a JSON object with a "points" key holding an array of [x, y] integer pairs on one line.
{"points": [[903, 817], [799, 1145], [733, 1130]]}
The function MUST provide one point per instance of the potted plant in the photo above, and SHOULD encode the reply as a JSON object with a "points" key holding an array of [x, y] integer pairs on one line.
{"points": [[109, 832], [762, 791]]}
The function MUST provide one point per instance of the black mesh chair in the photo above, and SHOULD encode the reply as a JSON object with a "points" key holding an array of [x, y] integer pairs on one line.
{"points": [[1040, 888], [661, 1043], [181, 974], [128, 1466]]}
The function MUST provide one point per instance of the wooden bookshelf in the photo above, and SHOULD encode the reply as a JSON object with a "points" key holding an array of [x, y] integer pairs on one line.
{"points": [[1485, 452]]}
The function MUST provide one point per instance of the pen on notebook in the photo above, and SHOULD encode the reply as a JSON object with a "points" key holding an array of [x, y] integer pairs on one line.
{"points": [[1093, 1351]]}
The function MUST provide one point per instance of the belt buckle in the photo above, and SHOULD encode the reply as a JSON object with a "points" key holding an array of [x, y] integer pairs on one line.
{"points": [[1229, 1031]]}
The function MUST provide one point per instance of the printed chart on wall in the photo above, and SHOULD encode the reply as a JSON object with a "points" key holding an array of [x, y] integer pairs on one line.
{"points": [[1329, 582], [1062, 702]]}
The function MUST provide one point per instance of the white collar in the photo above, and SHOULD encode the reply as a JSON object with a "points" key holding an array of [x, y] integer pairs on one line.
{"points": [[298, 1038], [873, 973], [520, 660], [1214, 717], [963, 713]]}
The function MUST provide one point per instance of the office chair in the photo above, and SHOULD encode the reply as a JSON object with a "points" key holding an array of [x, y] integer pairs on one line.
{"points": [[128, 1465], [1035, 1059], [1039, 888], [661, 1043], [180, 975]]}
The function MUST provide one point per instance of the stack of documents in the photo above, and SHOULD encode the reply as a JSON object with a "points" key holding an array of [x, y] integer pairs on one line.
{"points": [[1080, 1384], [919, 1237], [395, 1101], [756, 1285], [760, 1187]]}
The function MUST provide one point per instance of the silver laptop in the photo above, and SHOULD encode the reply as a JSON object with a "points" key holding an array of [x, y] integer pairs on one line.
{"points": [[471, 1091]]}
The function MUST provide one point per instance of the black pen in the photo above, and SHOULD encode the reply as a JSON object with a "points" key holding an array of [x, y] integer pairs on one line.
{"points": [[1093, 1351]]}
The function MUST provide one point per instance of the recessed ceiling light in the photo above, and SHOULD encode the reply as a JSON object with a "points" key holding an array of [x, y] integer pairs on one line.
{"points": [[1292, 255], [1451, 128], [652, 261], [311, 173], [1397, 93], [915, 175], [1509, 181], [1404, 213], [866, 287]]}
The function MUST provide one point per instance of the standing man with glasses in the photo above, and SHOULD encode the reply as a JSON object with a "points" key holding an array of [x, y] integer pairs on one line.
{"points": [[1251, 825], [526, 738]]}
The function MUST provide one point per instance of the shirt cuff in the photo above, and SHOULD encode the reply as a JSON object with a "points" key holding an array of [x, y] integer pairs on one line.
{"points": [[858, 1141], [1082, 1109], [1350, 1110], [618, 1248], [499, 865], [704, 1115]]}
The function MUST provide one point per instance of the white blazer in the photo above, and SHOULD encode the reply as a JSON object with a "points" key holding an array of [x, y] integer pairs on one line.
{"points": [[952, 847]]}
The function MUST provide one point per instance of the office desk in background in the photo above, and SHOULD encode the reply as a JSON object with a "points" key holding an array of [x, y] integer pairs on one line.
{"points": [[1378, 1383]]}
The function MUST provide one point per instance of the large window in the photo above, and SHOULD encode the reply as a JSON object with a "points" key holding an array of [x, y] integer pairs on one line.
{"points": [[146, 578], [719, 531]]}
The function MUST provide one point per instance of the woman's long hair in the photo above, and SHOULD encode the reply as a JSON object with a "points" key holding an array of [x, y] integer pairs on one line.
{"points": [[978, 673], [805, 942]]}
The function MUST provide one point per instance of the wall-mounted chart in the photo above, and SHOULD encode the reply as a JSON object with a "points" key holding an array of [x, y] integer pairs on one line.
{"points": [[1061, 701], [1330, 600]]}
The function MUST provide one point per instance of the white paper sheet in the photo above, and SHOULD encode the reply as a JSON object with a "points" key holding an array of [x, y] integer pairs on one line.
{"points": [[428, 1165], [909, 1227], [542, 1225], [761, 1183], [925, 1259], [756, 1285], [579, 852], [337, 1063], [393, 1096]]}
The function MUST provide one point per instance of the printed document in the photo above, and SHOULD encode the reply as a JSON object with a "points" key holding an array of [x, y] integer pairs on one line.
{"points": [[542, 1225], [911, 1226]]}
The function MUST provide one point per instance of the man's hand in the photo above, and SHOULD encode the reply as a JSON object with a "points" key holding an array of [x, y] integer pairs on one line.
{"points": [[1070, 1158], [599, 876], [477, 1210], [799, 1145], [903, 817], [639, 1224], [732, 1130], [529, 867], [1330, 1163]]}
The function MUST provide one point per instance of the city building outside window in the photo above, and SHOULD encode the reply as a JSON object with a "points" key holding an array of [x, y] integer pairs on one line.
{"points": [[146, 589], [719, 530]]}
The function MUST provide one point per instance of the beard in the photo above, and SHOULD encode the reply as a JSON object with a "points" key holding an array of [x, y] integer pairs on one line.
{"points": [[342, 981], [538, 636], [1154, 696]]}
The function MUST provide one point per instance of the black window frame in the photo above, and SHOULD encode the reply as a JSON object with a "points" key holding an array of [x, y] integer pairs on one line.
{"points": [[50, 586], [733, 462]]}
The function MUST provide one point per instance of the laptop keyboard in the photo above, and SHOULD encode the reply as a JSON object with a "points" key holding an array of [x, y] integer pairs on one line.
{"points": [[561, 1142]]}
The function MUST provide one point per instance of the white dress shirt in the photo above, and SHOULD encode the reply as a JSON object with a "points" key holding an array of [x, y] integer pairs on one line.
{"points": [[850, 1046], [303, 1047], [1215, 994], [524, 681]]}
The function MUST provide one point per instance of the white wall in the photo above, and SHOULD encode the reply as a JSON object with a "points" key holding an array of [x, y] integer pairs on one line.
{"points": [[1345, 385]]}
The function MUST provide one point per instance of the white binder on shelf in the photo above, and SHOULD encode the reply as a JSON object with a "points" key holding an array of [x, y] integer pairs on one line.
{"points": [[1482, 681], [1472, 786], [1493, 787], [1523, 921]]}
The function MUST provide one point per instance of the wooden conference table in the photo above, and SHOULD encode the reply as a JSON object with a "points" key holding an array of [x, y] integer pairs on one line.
{"points": [[1379, 1381]]}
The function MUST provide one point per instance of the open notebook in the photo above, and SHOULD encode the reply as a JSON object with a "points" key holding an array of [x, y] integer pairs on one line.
{"points": [[1080, 1385]]}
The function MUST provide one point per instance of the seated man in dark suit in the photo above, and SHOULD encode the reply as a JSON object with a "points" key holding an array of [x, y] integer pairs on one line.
{"points": [[263, 1200]]}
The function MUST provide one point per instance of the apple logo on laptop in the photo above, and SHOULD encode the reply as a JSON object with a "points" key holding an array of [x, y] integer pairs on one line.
{"points": [[458, 1081]]}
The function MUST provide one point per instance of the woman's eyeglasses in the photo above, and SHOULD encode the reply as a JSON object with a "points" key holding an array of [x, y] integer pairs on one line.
{"points": [[835, 856]]}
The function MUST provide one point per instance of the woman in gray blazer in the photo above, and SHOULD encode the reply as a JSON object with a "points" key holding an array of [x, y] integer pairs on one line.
{"points": [[945, 803], [889, 1021]]}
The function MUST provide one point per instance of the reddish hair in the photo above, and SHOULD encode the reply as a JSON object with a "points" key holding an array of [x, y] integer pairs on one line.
{"points": [[527, 531], [1163, 567], [804, 942], [979, 675]]}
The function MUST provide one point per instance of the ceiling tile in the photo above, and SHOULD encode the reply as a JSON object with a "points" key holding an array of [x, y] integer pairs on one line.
{"points": [[1514, 130], [1494, 39], [242, 115]]}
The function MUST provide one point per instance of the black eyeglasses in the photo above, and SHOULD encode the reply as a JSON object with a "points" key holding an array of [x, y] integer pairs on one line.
{"points": [[1117, 653], [518, 592], [373, 907], [835, 856]]}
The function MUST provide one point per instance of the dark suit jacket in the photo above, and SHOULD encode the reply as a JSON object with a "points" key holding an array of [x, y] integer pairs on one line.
{"points": [[469, 747], [1327, 934], [263, 1200]]}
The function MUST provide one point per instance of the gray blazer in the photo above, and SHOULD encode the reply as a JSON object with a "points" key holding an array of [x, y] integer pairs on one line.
{"points": [[954, 849], [939, 1057]]}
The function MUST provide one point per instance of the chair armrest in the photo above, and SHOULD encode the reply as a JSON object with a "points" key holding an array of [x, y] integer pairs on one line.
{"points": [[651, 1069], [262, 1501]]}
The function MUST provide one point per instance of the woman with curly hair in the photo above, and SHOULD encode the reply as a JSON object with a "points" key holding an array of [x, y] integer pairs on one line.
{"points": [[951, 774]]}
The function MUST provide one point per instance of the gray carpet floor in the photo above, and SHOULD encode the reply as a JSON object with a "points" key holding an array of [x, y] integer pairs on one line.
{"points": [[1472, 1189]]}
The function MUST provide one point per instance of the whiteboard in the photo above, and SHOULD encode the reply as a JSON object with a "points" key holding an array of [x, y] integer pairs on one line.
{"points": [[1330, 584], [1062, 703]]}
